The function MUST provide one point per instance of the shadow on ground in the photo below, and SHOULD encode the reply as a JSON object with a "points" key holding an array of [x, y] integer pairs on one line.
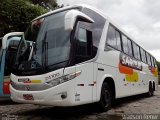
{"points": [[62, 112], [84, 112], [7, 102], [122, 101]]}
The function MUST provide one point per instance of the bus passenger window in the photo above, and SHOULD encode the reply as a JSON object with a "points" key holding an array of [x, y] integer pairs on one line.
{"points": [[125, 44], [118, 40], [130, 47], [84, 45], [143, 55], [155, 62], [136, 51], [111, 37], [82, 42], [148, 59], [152, 61]]}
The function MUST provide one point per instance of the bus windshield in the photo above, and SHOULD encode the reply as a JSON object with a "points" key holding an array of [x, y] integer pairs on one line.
{"points": [[51, 46]]}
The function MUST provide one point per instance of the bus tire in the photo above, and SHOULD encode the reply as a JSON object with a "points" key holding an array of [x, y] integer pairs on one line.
{"points": [[154, 86], [105, 98], [151, 90]]}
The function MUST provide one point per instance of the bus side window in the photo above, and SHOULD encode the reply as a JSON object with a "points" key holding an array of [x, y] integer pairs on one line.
{"points": [[113, 38], [136, 51], [10, 56], [82, 42], [155, 64], [125, 44], [130, 52], [148, 59], [118, 37], [143, 56], [152, 61], [84, 45]]}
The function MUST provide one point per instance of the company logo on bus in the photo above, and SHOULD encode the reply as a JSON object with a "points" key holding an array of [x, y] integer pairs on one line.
{"points": [[24, 80], [130, 62]]}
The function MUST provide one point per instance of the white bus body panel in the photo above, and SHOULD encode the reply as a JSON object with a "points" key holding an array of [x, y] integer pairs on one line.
{"points": [[51, 96]]}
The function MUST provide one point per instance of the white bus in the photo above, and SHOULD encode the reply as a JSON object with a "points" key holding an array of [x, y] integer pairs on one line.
{"points": [[80, 57]]}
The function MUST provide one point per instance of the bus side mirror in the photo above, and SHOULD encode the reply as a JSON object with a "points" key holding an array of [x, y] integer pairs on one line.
{"points": [[71, 17]]}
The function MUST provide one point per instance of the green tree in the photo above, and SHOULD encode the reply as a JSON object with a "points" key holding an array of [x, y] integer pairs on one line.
{"points": [[47, 4], [15, 15]]}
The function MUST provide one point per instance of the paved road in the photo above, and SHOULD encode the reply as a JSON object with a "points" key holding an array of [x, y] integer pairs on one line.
{"points": [[137, 105]]}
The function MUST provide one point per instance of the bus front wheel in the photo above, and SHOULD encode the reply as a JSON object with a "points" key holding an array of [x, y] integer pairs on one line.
{"points": [[106, 97]]}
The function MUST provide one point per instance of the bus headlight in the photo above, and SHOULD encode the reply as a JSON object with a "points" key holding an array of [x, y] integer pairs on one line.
{"points": [[63, 79]]}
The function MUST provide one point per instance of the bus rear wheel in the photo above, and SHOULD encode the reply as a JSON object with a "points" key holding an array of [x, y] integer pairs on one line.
{"points": [[151, 90], [106, 97]]}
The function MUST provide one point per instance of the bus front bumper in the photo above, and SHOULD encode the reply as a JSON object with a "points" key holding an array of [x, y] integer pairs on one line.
{"points": [[55, 96]]}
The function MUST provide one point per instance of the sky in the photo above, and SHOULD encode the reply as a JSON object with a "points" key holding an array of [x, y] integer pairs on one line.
{"points": [[139, 18]]}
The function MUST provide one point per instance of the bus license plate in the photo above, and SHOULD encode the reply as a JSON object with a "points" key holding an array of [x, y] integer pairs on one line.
{"points": [[28, 97]]}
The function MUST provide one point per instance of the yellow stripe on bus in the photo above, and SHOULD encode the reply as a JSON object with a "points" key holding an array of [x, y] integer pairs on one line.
{"points": [[36, 81], [133, 77]]}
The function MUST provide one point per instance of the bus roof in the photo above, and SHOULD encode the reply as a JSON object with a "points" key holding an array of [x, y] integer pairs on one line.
{"points": [[81, 6]]}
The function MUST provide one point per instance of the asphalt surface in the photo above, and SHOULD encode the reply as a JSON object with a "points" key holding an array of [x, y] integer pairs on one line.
{"points": [[140, 104]]}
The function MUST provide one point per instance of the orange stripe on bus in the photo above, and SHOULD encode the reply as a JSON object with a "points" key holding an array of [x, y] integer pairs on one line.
{"points": [[153, 70], [125, 70]]}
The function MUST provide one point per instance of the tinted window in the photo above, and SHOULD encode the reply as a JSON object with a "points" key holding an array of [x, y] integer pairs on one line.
{"points": [[84, 45], [97, 26], [152, 61], [118, 37], [82, 42], [130, 47], [13, 45], [143, 55], [155, 62], [125, 44], [10, 55], [148, 59], [111, 37], [57, 39], [136, 51]]}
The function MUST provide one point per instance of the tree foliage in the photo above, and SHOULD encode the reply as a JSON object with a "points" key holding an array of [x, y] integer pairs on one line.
{"points": [[47, 4], [15, 15]]}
